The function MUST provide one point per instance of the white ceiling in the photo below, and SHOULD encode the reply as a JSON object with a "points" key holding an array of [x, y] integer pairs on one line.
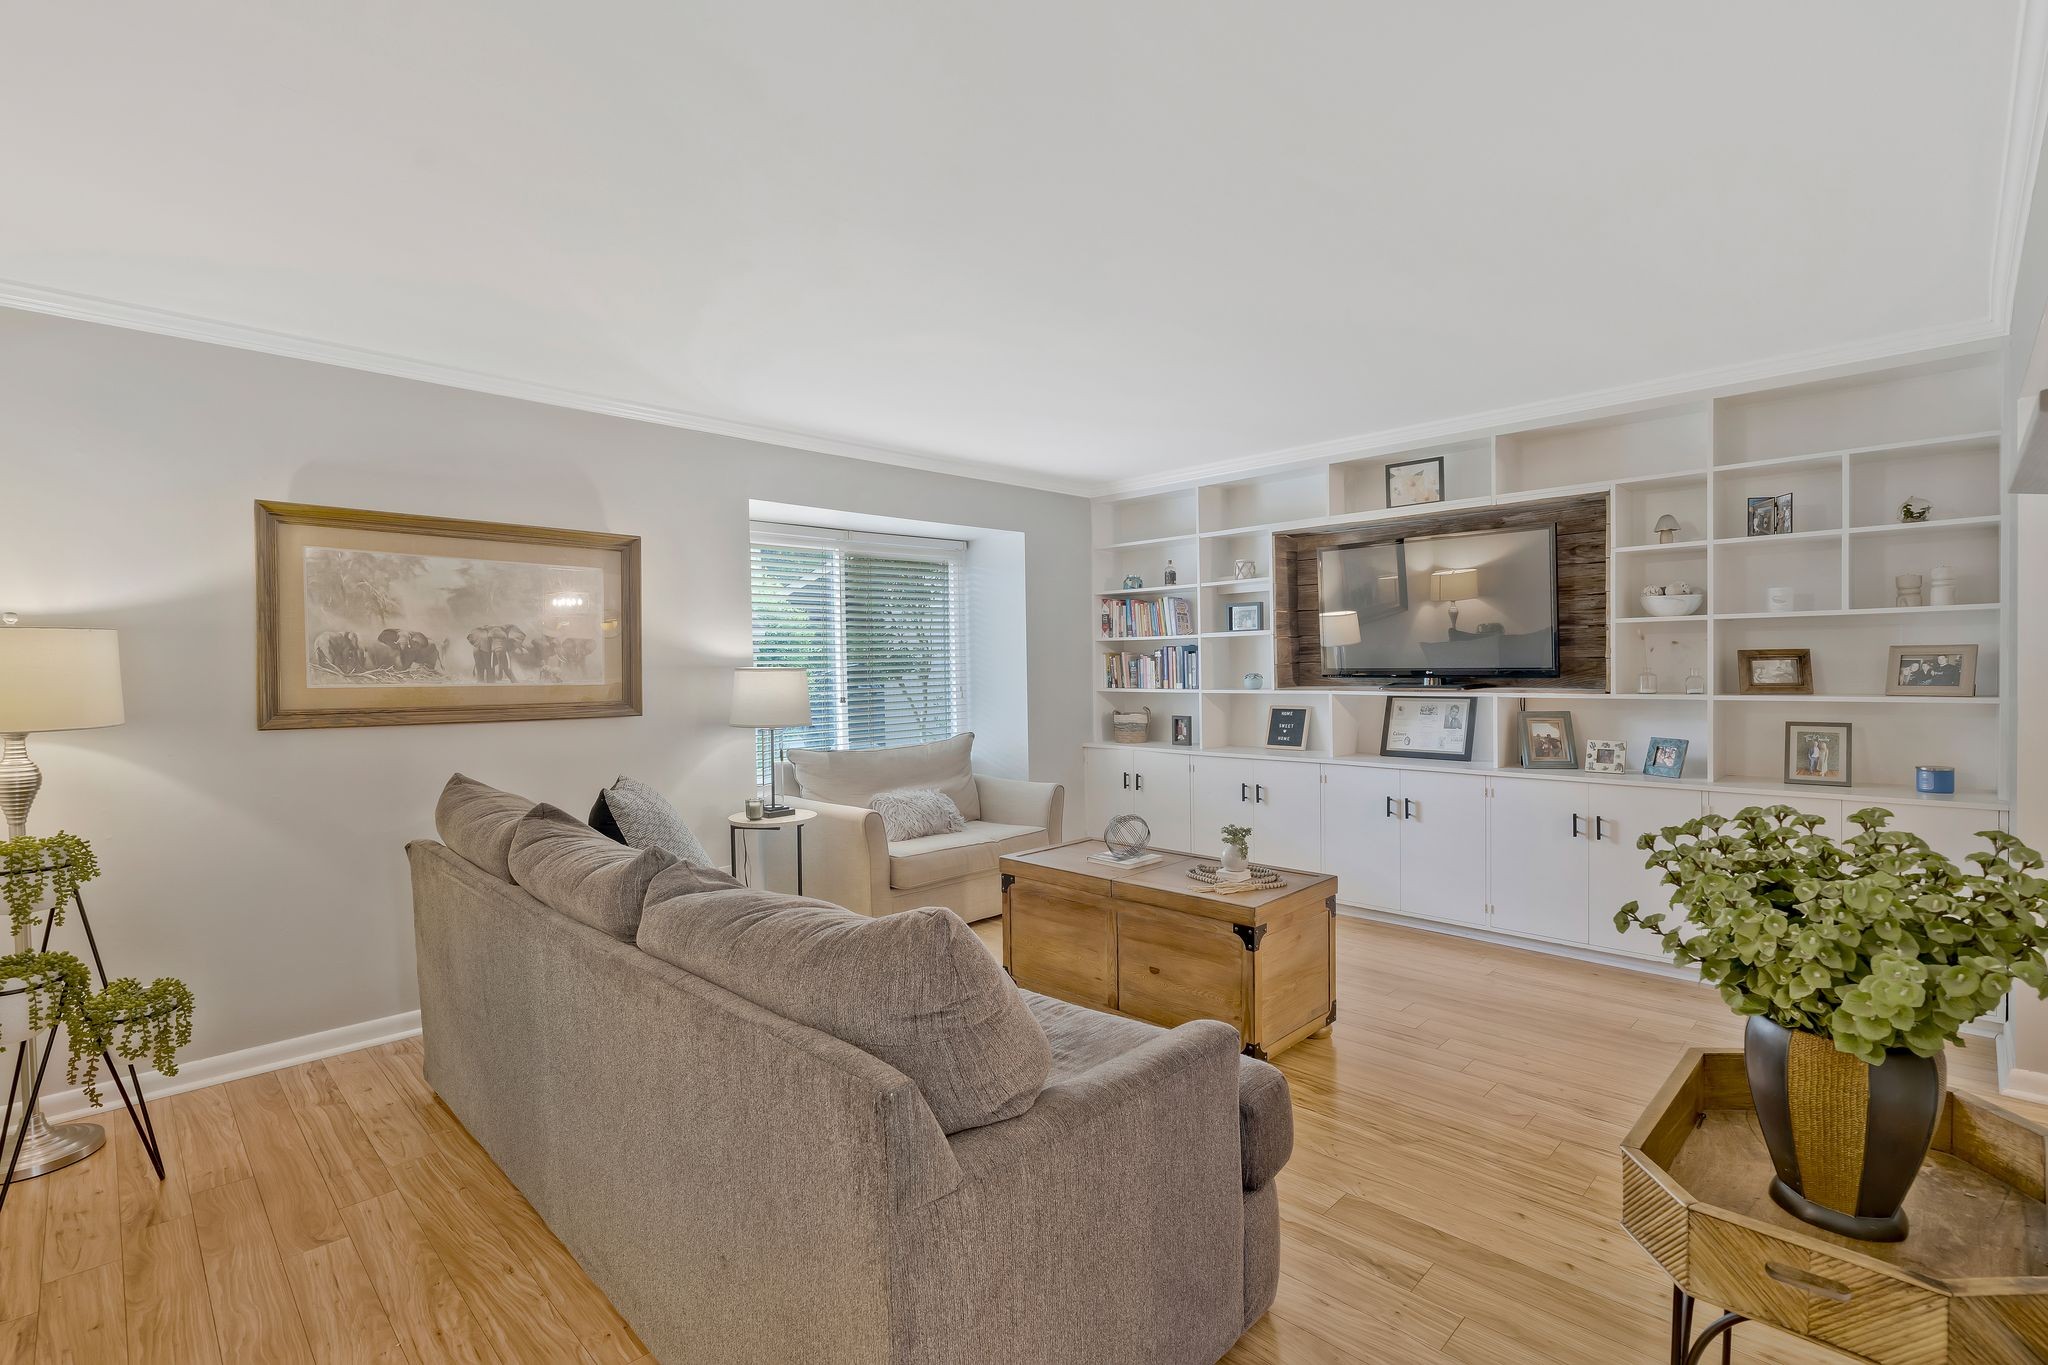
{"points": [[1076, 243]]}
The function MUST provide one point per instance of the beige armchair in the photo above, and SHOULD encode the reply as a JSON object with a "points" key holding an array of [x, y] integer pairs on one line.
{"points": [[848, 858]]}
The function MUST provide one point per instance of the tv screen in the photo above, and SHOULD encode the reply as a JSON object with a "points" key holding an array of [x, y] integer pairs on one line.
{"points": [[1471, 604]]}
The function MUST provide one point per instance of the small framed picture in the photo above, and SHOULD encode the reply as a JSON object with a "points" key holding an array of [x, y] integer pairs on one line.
{"points": [[1413, 482], [1428, 727], [1184, 731], [1547, 739], [1666, 757], [1931, 671], [1785, 672], [1770, 516], [1817, 753], [1287, 727], [1246, 616], [1606, 756]]}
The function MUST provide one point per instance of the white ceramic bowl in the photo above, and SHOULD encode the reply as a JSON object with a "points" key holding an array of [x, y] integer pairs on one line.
{"points": [[1655, 605]]}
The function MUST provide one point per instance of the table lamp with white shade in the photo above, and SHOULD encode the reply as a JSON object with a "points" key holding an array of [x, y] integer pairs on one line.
{"points": [[1339, 628], [771, 699], [49, 680], [1453, 586]]}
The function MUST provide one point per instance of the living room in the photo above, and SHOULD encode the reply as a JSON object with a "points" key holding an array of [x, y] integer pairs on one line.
{"points": [[911, 685]]}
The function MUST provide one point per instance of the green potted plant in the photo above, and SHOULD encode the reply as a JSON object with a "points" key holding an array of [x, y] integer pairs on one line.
{"points": [[1856, 965], [1237, 848]]}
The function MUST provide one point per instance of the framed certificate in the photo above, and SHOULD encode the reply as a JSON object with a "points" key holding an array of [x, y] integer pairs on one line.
{"points": [[1428, 727]]}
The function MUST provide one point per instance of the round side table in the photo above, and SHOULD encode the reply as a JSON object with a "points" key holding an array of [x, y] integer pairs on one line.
{"points": [[774, 824]]}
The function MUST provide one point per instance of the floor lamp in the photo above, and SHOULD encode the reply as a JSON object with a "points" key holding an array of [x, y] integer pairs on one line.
{"points": [[771, 699], [49, 680]]}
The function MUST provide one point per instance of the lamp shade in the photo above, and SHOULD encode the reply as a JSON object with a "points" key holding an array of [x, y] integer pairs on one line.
{"points": [[770, 698], [52, 679], [1453, 585], [1339, 628]]}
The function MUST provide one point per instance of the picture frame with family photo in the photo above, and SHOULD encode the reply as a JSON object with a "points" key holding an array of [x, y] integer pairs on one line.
{"points": [[1769, 516], [1769, 672], [1665, 757], [1817, 753], [1931, 671], [1547, 739]]}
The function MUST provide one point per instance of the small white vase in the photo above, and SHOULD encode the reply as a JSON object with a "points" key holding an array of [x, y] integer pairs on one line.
{"points": [[1233, 861]]}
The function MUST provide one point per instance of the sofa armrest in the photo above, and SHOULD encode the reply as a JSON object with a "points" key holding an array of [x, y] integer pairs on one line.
{"points": [[1008, 801], [846, 857]]}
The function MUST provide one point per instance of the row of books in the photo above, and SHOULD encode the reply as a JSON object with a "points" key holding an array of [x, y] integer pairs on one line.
{"points": [[1169, 668], [1125, 617]]}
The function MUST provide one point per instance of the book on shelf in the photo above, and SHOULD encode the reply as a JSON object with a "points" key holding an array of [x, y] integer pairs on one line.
{"points": [[1170, 668], [1126, 617]]}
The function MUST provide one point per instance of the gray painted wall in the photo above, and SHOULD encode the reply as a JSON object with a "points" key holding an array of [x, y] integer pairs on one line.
{"points": [[267, 869]]}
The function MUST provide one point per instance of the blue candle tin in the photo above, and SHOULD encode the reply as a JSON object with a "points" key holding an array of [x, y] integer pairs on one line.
{"points": [[1932, 780]]}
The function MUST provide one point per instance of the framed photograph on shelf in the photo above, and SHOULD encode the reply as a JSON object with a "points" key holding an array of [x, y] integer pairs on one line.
{"points": [[1781, 672], [1817, 753], [1666, 757], [1287, 728], [1931, 671], [1606, 756], [1412, 483], [382, 618], [1246, 616], [1769, 516], [1428, 727], [1547, 739], [1183, 731]]}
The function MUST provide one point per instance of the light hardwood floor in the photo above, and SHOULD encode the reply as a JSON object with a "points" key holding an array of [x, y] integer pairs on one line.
{"points": [[1453, 1196]]}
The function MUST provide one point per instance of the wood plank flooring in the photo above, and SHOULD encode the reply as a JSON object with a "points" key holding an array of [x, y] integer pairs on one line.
{"points": [[1454, 1197]]}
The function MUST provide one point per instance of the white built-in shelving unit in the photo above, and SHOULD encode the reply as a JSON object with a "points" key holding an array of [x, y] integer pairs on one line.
{"points": [[1849, 449]]}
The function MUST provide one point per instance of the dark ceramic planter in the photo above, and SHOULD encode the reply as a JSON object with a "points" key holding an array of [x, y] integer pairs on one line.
{"points": [[1847, 1138]]}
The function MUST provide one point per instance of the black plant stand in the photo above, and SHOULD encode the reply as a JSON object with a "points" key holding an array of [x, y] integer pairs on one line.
{"points": [[1688, 1350], [137, 1107]]}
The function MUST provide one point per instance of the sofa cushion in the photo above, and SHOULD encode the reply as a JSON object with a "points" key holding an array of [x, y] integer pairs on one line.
{"points": [[1083, 1039], [937, 858], [478, 822], [914, 812], [687, 879], [851, 777], [915, 989], [639, 816], [570, 867]]}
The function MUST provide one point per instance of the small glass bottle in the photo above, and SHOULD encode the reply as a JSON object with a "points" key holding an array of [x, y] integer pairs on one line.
{"points": [[1172, 574], [1646, 683], [1695, 685]]}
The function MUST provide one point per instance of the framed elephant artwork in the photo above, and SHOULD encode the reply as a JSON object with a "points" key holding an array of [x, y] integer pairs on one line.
{"points": [[380, 618]]}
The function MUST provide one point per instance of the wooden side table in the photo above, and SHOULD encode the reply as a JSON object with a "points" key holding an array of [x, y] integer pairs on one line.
{"points": [[1968, 1286], [738, 821]]}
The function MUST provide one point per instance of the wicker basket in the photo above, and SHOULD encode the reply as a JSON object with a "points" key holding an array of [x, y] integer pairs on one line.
{"points": [[1131, 727]]}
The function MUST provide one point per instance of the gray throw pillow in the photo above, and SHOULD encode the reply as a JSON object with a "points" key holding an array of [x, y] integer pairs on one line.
{"points": [[570, 867], [477, 821], [914, 812], [640, 817]]}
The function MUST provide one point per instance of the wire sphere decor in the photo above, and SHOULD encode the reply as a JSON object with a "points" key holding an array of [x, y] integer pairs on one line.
{"points": [[1127, 835]]}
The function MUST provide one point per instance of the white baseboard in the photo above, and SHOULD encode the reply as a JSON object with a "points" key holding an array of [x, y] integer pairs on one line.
{"points": [[2024, 1085], [1647, 966], [59, 1105]]}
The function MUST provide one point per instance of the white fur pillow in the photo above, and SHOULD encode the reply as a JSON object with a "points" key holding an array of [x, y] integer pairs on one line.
{"points": [[913, 812]]}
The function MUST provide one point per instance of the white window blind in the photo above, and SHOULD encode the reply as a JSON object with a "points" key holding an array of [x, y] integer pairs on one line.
{"points": [[877, 621]]}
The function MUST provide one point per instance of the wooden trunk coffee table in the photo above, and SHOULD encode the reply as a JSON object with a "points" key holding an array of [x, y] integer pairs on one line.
{"points": [[1156, 945]]}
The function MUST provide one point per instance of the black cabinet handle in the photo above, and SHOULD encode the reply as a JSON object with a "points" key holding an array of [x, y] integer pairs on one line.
{"points": [[1259, 795], [1244, 791], [1599, 827], [1407, 809], [1141, 781], [1390, 808], [1576, 820], [1127, 781]]}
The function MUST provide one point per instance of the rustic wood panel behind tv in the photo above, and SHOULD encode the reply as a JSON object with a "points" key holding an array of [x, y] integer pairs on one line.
{"points": [[1581, 585]]}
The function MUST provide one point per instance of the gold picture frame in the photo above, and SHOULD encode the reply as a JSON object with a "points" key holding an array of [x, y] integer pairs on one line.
{"points": [[1774, 672], [386, 618]]}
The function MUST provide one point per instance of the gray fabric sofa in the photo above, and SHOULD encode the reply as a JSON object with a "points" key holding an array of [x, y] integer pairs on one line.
{"points": [[746, 1184]]}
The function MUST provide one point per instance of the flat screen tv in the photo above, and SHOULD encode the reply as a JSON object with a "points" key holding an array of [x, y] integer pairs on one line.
{"points": [[1469, 605]]}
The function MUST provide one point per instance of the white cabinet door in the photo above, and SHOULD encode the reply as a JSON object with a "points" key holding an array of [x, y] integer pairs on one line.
{"points": [[1728, 803], [1539, 833], [1615, 865], [1287, 815], [1106, 776], [1362, 835], [1221, 795], [1443, 846], [1162, 795], [1952, 832]]}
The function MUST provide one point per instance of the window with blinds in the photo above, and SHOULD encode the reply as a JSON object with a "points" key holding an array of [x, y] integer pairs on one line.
{"points": [[877, 621]]}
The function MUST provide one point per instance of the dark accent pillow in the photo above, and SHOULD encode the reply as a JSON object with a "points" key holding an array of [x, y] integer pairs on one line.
{"points": [[638, 816]]}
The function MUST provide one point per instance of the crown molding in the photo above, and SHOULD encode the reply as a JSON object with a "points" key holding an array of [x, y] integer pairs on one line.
{"points": [[2026, 121], [32, 298], [1926, 344]]}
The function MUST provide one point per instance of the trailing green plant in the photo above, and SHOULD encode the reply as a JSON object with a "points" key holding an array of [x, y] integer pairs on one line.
{"points": [[1877, 942], [137, 1022], [1239, 837], [36, 866]]}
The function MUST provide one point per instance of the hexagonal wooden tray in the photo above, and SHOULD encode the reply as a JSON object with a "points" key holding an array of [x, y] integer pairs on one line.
{"points": [[1969, 1283]]}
